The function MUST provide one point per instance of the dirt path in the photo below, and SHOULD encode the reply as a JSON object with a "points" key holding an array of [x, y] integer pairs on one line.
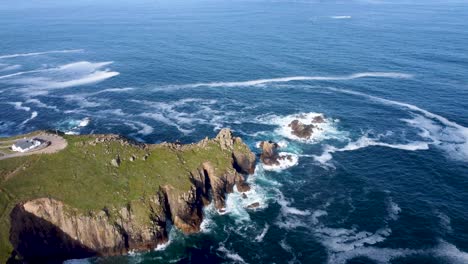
{"points": [[57, 143]]}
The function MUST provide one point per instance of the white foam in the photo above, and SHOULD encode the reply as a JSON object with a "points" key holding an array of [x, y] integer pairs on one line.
{"points": [[38, 53], [145, 128], [19, 106], [298, 78], [33, 115], [64, 76], [184, 114], [447, 135], [260, 237], [162, 246], [322, 131], [340, 17], [84, 122], [393, 210], [364, 142], [208, 224], [230, 254], [21, 73], [287, 160], [445, 221], [72, 127], [290, 217], [444, 250], [7, 67], [38, 103]]}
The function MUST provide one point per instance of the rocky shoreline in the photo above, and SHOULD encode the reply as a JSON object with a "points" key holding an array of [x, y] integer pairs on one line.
{"points": [[45, 229]]}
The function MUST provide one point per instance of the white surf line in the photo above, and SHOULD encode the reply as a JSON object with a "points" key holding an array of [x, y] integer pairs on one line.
{"points": [[394, 75], [39, 53], [21, 73], [72, 65], [439, 118], [340, 17]]}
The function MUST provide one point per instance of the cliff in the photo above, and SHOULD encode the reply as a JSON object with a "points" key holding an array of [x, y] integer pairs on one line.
{"points": [[106, 195]]}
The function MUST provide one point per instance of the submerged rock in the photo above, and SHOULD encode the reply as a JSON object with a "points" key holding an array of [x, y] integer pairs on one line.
{"points": [[318, 119], [253, 205]]}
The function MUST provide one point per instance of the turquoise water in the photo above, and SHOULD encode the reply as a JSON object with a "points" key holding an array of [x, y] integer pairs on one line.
{"points": [[385, 181]]}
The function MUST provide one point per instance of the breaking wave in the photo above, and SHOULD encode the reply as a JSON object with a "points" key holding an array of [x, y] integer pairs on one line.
{"points": [[322, 131], [286, 161]]}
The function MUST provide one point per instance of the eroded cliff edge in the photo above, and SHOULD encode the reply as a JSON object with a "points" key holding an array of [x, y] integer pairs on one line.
{"points": [[106, 195]]}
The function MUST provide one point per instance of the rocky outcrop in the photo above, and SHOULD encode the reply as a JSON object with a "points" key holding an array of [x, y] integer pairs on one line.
{"points": [[46, 229], [301, 130], [270, 155], [305, 131]]}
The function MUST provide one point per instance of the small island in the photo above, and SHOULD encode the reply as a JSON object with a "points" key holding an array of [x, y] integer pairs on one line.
{"points": [[76, 196]]}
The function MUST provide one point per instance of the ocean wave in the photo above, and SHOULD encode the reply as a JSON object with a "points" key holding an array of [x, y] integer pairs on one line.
{"points": [[185, 114], [73, 126], [394, 75], [69, 75], [38, 53], [19, 106], [6, 67], [33, 115], [443, 250], [38, 103], [260, 237], [447, 135], [230, 254], [364, 142], [322, 131], [286, 161]]}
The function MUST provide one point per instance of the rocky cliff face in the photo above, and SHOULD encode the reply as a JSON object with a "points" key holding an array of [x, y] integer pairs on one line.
{"points": [[45, 229]]}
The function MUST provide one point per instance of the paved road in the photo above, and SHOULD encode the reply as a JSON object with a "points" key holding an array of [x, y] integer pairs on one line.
{"points": [[57, 143]]}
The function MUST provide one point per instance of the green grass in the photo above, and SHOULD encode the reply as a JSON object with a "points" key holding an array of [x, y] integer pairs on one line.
{"points": [[82, 176]]}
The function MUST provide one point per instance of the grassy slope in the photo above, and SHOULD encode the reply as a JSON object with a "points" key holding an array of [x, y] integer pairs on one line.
{"points": [[81, 176]]}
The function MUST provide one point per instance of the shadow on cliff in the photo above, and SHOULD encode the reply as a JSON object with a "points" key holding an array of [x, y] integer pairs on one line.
{"points": [[38, 241]]}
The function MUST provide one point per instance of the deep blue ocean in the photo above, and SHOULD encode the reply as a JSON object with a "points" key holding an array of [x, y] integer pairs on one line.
{"points": [[384, 181]]}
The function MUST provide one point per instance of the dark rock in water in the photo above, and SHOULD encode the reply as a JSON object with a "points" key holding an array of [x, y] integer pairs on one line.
{"points": [[269, 153], [301, 130], [318, 119], [244, 196], [254, 205], [243, 186]]}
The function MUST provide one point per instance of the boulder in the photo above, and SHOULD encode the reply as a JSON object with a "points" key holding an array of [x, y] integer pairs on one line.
{"points": [[301, 130], [269, 154], [253, 205], [318, 119], [115, 162]]}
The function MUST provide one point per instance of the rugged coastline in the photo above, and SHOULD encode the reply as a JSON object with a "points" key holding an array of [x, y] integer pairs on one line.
{"points": [[107, 195]]}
